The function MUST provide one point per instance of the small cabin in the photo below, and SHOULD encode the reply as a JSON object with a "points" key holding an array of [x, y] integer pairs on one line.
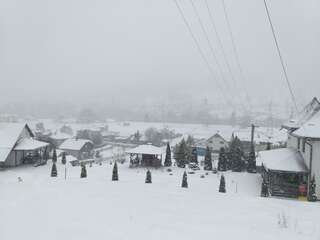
{"points": [[79, 148]]}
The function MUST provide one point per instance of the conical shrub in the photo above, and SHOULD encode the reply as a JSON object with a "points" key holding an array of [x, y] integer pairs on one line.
{"points": [[54, 171], [115, 176], [222, 187], [83, 171], [148, 177], [54, 156], [184, 180]]}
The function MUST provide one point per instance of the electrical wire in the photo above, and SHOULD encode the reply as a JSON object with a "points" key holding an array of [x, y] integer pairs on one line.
{"points": [[203, 56], [280, 57]]}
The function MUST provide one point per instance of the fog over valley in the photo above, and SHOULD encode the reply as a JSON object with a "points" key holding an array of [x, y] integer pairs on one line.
{"points": [[58, 55]]}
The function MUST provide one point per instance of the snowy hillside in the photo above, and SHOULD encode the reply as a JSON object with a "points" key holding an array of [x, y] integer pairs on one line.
{"points": [[41, 207]]}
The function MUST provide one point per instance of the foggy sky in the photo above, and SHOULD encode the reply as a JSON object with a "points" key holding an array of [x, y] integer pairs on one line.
{"points": [[140, 50]]}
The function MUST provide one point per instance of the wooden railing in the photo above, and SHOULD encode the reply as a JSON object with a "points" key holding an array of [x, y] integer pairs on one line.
{"points": [[285, 190]]}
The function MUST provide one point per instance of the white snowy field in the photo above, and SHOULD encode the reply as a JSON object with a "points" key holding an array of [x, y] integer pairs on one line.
{"points": [[274, 135], [48, 208]]}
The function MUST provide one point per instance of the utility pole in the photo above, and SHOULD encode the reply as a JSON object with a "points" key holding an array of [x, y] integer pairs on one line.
{"points": [[252, 134], [252, 167]]}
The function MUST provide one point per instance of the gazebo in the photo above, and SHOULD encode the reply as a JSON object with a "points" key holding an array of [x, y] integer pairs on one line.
{"points": [[284, 171], [145, 156]]}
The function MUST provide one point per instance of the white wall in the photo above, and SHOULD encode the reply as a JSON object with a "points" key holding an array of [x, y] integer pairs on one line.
{"points": [[215, 143], [292, 142], [316, 166]]}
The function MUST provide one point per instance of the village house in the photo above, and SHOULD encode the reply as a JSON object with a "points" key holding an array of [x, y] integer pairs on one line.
{"points": [[79, 148], [293, 168], [18, 146], [216, 142]]}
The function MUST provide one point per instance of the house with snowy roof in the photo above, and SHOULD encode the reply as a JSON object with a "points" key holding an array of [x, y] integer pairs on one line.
{"points": [[79, 148], [289, 171], [216, 142], [18, 145]]}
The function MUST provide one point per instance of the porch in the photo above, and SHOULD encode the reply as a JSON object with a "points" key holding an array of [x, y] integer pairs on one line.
{"points": [[31, 151], [285, 172], [286, 184]]}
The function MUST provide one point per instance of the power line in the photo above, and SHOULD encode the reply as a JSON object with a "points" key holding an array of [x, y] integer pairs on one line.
{"points": [[220, 43], [234, 48], [209, 43], [280, 56], [201, 52]]}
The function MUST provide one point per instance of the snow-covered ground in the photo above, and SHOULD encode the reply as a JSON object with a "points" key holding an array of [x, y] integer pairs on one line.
{"points": [[41, 207]]}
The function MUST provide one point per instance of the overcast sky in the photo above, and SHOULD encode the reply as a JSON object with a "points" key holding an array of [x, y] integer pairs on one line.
{"points": [[93, 50]]}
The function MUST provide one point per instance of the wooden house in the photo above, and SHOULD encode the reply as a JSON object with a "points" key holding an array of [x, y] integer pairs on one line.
{"points": [[18, 146], [301, 157], [79, 148]]}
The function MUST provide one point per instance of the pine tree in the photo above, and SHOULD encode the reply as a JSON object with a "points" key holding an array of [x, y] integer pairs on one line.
{"points": [[222, 187], [54, 171], [54, 156], [208, 160], [148, 177], [222, 163], [237, 160], [264, 189], [63, 160], [184, 180], [190, 141], [232, 155], [312, 197], [83, 171], [189, 155], [181, 154], [167, 161], [229, 156], [252, 166], [115, 176]]}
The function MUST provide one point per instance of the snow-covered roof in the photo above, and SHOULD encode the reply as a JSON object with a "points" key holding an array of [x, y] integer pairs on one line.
{"points": [[9, 135], [310, 129], [306, 114], [74, 144], [146, 149], [30, 144], [262, 135], [216, 135], [245, 135], [282, 159]]}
